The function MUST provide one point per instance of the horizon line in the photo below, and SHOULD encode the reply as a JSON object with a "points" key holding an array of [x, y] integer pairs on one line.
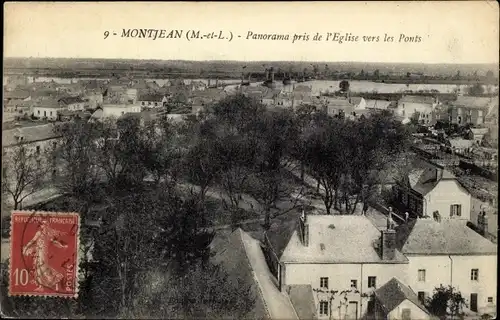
{"points": [[257, 61]]}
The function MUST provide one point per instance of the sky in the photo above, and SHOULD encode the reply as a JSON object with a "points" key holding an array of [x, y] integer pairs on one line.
{"points": [[450, 32]]}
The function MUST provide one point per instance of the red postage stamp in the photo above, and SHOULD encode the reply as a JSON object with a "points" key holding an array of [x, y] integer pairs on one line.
{"points": [[44, 254]]}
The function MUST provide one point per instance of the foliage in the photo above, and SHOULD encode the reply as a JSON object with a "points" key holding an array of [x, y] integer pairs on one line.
{"points": [[346, 157], [344, 86], [445, 301], [476, 89]]}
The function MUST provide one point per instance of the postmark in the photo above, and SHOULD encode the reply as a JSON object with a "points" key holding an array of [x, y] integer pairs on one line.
{"points": [[44, 254]]}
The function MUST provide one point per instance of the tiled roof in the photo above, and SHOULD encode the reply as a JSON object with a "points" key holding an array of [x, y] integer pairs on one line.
{"points": [[281, 231], [301, 296], [70, 100], [48, 103], [16, 94], [448, 237], [29, 134], [377, 104], [228, 250], [154, 97], [417, 99], [422, 178], [356, 100], [391, 294], [302, 88], [474, 102], [329, 236]]}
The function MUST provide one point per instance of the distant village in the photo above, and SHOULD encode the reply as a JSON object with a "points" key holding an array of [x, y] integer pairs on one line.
{"points": [[406, 249]]}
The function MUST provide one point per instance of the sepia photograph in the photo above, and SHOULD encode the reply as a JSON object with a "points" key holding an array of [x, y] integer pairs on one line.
{"points": [[253, 160]]}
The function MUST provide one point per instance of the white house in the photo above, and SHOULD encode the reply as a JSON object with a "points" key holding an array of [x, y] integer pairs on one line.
{"points": [[448, 252], [117, 110], [425, 106], [47, 108], [152, 100], [429, 189], [341, 260]]}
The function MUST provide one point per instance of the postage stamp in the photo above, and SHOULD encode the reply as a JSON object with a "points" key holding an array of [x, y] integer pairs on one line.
{"points": [[44, 254]]}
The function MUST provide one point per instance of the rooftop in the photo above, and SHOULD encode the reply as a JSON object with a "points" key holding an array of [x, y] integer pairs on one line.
{"points": [[156, 97], [474, 102], [301, 296], [391, 294], [29, 134], [70, 100], [423, 176], [337, 239], [417, 99], [448, 237], [377, 104]]}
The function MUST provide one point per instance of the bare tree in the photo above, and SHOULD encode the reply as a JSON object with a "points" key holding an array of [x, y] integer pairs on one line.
{"points": [[25, 170]]}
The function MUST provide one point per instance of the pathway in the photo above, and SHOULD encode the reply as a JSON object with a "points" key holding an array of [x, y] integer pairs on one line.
{"points": [[277, 303]]}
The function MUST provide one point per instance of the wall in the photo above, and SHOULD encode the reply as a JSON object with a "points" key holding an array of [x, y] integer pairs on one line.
{"points": [[437, 271], [118, 111], [446, 193], [485, 286], [50, 113], [76, 106], [416, 312], [457, 273], [339, 278], [407, 109]]}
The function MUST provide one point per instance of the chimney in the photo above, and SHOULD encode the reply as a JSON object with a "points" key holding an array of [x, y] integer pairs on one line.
{"points": [[388, 244], [439, 171]]}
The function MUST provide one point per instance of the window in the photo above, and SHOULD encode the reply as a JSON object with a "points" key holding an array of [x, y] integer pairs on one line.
{"points": [[455, 210], [354, 284], [421, 275], [323, 308], [421, 296], [490, 299], [372, 282], [474, 274], [323, 282], [37, 149], [51, 113], [39, 112], [406, 314]]}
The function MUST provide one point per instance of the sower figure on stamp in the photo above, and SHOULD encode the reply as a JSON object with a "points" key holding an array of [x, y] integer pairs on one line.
{"points": [[45, 276]]}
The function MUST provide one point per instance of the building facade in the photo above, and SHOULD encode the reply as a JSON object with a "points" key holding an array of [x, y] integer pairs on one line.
{"points": [[431, 190]]}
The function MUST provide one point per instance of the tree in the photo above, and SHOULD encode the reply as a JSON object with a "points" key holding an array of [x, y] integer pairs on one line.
{"points": [[490, 75], [446, 301], [344, 86], [475, 90], [277, 132], [24, 172], [376, 74]]}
